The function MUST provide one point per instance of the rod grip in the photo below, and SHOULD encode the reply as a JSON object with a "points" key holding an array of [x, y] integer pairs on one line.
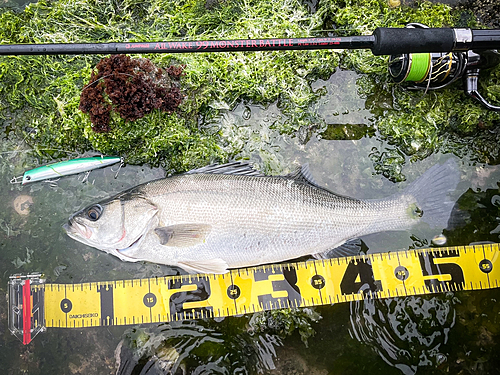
{"points": [[393, 41]]}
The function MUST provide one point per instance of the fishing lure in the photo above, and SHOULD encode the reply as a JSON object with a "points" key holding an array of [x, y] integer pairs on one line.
{"points": [[65, 168]]}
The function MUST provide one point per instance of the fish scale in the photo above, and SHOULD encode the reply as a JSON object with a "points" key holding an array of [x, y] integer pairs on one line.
{"points": [[214, 221]]}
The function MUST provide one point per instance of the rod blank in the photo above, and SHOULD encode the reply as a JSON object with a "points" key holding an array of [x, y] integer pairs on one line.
{"points": [[354, 42]]}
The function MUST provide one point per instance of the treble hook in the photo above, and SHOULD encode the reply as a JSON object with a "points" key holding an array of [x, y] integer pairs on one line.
{"points": [[122, 163], [86, 177], [17, 180], [52, 183]]}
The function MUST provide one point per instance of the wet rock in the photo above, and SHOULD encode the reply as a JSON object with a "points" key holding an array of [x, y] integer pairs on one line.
{"points": [[486, 11], [290, 362]]}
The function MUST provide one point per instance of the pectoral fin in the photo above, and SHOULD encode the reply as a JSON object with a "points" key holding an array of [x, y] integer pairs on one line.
{"points": [[183, 235], [216, 265]]}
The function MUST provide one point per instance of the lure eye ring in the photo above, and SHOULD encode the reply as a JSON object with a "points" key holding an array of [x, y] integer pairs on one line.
{"points": [[94, 212]]}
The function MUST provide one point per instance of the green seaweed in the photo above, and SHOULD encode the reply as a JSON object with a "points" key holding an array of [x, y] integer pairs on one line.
{"points": [[284, 322], [44, 90], [50, 85]]}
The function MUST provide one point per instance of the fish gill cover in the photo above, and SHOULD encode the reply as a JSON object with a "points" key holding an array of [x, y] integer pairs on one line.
{"points": [[41, 94]]}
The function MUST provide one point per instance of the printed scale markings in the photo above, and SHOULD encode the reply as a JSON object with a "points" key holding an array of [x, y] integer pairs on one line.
{"points": [[268, 287]]}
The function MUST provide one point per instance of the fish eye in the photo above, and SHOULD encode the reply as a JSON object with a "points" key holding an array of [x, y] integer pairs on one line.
{"points": [[94, 212]]}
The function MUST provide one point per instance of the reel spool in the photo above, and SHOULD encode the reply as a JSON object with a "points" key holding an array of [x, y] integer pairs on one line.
{"points": [[429, 71], [436, 70]]}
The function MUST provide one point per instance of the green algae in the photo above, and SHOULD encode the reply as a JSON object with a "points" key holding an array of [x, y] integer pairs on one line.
{"points": [[346, 131], [48, 87], [286, 321]]}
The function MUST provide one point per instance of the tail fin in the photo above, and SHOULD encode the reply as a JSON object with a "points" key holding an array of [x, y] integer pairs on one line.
{"points": [[430, 192]]}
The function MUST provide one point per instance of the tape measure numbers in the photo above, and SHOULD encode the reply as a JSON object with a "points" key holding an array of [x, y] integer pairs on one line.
{"points": [[393, 274]]}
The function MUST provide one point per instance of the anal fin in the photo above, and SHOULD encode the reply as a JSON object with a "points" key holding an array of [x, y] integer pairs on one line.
{"points": [[351, 247], [216, 265]]}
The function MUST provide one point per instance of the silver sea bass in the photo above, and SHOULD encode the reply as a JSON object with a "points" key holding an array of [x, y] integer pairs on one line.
{"points": [[230, 216]]}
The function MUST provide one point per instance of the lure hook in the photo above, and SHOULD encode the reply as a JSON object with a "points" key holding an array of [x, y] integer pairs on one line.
{"points": [[52, 183], [17, 180], [122, 164], [86, 176]]}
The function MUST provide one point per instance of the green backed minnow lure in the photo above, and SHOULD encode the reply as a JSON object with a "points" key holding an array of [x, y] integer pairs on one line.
{"points": [[64, 168]]}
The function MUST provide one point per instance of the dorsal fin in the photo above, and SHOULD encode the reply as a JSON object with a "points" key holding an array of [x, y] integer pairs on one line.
{"points": [[236, 168], [302, 174]]}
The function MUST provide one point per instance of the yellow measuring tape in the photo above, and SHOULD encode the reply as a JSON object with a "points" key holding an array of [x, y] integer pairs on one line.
{"points": [[35, 305]]}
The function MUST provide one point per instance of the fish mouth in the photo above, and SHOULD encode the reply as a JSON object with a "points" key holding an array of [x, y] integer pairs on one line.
{"points": [[74, 229]]}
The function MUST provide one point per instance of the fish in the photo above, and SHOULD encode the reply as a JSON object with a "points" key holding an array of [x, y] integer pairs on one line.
{"points": [[220, 217]]}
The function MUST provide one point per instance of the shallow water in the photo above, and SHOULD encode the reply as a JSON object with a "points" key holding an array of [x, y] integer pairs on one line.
{"points": [[433, 334]]}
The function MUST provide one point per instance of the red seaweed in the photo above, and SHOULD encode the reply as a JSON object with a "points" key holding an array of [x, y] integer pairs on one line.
{"points": [[130, 87]]}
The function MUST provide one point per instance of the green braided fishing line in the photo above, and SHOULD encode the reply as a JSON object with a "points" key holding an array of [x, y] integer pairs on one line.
{"points": [[419, 67]]}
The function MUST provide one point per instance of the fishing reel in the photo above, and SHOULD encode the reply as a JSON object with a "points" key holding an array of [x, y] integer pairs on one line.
{"points": [[435, 70]]}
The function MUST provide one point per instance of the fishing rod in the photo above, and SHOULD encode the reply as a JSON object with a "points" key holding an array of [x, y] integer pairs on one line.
{"points": [[384, 41], [427, 58]]}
